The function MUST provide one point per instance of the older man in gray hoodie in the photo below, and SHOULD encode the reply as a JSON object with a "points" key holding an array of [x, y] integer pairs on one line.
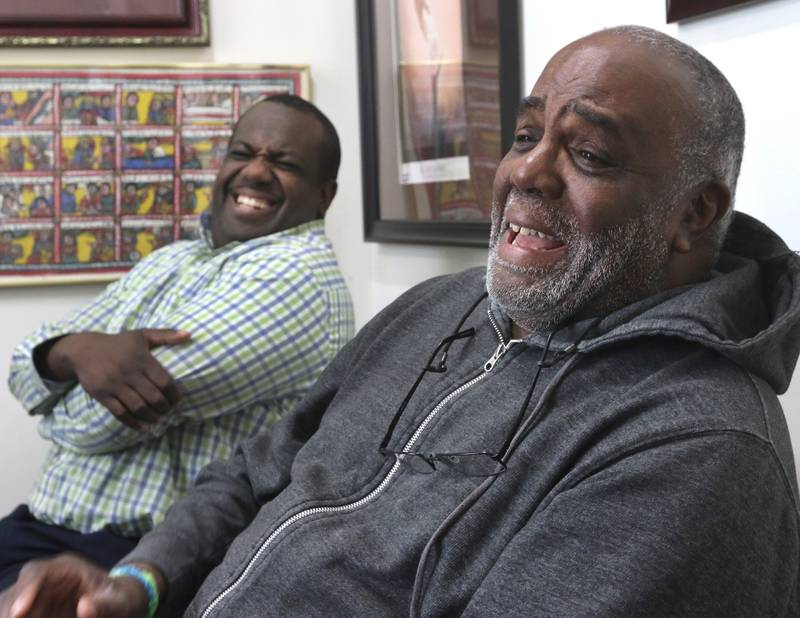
{"points": [[598, 435]]}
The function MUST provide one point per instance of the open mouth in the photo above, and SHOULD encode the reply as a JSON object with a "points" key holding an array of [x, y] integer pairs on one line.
{"points": [[250, 201], [531, 239], [528, 246]]}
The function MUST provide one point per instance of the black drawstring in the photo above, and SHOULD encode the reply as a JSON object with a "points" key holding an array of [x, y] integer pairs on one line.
{"points": [[540, 364], [501, 454]]}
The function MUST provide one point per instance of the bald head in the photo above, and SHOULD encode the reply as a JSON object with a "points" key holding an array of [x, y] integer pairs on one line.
{"points": [[711, 144], [648, 97]]}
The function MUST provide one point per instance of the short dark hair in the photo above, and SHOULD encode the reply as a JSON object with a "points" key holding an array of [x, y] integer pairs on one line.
{"points": [[330, 151]]}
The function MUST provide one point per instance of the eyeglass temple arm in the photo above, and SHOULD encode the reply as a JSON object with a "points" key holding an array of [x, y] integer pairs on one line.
{"points": [[444, 343], [458, 334]]}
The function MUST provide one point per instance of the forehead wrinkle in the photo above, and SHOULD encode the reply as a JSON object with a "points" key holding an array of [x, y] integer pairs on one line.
{"points": [[531, 102], [592, 115], [272, 145], [576, 106], [583, 106]]}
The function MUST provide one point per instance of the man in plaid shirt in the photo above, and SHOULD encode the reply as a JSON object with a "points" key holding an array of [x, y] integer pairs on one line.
{"points": [[203, 344]]}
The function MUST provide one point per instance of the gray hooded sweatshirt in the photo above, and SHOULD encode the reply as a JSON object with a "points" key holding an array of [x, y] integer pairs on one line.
{"points": [[651, 473]]}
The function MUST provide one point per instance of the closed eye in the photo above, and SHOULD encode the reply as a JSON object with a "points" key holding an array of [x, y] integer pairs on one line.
{"points": [[287, 165], [238, 153]]}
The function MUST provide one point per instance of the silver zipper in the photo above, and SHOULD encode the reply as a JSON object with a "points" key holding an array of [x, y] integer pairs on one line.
{"points": [[502, 348], [494, 325]]}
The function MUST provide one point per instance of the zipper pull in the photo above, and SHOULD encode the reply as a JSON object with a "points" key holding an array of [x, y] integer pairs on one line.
{"points": [[498, 353]]}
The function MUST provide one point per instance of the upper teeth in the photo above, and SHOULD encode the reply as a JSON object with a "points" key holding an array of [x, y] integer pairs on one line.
{"points": [[528, 231], [251, 201]]}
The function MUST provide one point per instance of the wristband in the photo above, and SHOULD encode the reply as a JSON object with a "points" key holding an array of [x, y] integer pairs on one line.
{"points": [[145, 578]]}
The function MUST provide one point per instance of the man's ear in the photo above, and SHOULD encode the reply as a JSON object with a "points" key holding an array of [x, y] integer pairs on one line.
{"points": [[707, 204], [327, 192]]}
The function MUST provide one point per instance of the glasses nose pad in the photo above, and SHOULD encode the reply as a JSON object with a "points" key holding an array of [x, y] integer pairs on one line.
{"points": [[418, 463], [450, 460]]}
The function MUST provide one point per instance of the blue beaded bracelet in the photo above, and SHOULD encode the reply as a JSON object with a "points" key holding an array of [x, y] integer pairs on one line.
{"points": [[145, 578]]}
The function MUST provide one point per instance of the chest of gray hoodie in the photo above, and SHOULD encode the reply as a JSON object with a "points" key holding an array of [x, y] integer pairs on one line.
{"points": [[652, 474]]}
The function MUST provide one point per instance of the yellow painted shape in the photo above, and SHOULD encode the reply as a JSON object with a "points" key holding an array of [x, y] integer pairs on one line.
{"points": [[145, 242], [86, 241], [26, 243]]}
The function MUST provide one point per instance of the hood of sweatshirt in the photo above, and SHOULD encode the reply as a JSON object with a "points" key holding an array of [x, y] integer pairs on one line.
{"points": [[748, 310]]}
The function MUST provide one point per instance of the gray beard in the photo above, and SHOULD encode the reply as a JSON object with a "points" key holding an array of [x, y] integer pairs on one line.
{"points": [[600, 272]]}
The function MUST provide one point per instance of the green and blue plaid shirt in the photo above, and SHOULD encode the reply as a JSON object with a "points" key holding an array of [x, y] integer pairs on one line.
{"points": [[266, 316]]}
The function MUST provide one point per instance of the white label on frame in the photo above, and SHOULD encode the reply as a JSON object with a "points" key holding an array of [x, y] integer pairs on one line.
{"points": [[434, 170]]}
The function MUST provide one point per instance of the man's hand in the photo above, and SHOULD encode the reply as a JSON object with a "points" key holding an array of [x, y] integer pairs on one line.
{"points": [[70, 586], [119, 371]]}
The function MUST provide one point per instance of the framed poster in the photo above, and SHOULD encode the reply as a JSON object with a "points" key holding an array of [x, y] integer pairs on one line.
{"points": [[101, 166], [92, 23], [439, 94], [684, 9]]}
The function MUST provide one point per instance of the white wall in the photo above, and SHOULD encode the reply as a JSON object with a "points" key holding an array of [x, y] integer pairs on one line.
{"points": [[755, 46]]}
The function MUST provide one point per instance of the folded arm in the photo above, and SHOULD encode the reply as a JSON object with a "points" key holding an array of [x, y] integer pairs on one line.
{"points": [[257, 334], [36, 393]]}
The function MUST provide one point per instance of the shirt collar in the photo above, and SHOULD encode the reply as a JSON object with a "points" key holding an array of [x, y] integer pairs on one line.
{"points": [[315, 227]]}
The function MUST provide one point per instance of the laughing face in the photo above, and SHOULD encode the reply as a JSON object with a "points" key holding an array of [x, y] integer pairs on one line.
{"points": [[269, 180], [584, 213]]}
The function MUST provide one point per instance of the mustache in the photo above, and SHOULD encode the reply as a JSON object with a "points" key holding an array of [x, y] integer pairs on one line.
{"points": [[549, 214]]}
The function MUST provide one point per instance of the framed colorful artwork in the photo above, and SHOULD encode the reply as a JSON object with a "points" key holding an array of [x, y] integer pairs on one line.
{"points": [[93, 23], [439, 93], [101, 166], [684, 9]]}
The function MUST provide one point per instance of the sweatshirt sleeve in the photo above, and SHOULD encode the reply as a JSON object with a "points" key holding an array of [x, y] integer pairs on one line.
{"points": [[261, 332], [705, 526], [228, 494]]}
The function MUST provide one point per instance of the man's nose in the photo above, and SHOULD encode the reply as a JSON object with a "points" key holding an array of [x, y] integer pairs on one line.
{"points": [[537, 171], [259, 169]]}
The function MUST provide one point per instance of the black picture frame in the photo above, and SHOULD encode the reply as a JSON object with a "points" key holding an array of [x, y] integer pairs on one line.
{"points": [[678, 10], [458, 233]]}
